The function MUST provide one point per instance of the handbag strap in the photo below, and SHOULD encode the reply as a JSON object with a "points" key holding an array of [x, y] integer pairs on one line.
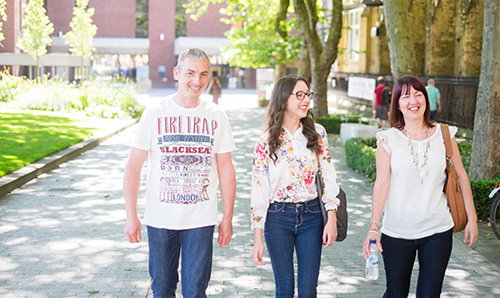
{"points": [[447, 144]]}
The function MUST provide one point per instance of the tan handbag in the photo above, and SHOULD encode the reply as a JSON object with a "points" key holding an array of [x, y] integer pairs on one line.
{"points": [[452, 187]]}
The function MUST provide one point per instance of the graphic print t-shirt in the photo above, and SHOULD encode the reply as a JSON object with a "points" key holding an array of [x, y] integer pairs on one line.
{"points": [[182, 169]]}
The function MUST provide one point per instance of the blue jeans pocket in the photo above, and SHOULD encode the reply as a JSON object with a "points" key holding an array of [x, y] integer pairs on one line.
{"points": [[276, 207], [313, 207]]}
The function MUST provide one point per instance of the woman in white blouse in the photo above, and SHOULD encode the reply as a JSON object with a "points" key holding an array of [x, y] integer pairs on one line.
{"points": [[284, 200], [411, 173]]}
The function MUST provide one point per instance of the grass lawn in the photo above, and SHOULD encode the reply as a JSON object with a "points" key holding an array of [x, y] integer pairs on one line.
{"points": [[26, 137]]}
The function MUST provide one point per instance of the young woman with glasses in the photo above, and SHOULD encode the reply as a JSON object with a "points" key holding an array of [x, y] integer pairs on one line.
{"points": [[284, 201]]}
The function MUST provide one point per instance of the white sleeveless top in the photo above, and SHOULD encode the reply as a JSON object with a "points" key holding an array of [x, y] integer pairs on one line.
{"points": [[416, 205]]}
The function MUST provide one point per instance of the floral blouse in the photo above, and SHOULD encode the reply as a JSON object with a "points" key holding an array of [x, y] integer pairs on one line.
{"points": [[292, 178]]}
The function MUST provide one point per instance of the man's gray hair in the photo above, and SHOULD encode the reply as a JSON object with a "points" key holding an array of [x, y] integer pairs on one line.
{"points": [[195, 53]]}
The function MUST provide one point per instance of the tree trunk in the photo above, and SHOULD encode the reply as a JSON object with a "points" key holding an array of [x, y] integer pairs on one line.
{"points": [[304, 63], [82, 69], [400, 39], [485, 156], [322, 54], [320, 87], [280, 69], [37, 68]]}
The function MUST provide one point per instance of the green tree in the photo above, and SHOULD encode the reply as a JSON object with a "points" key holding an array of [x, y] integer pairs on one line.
{"points": [[485, 156], [261, 35], [323, 48], [3, 16], [399, 38], [320, 43], [35, 37], [82, 31]]}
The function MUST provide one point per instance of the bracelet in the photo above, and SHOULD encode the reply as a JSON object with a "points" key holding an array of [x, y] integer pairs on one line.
{"points": [[374, 223], [374, 231]]}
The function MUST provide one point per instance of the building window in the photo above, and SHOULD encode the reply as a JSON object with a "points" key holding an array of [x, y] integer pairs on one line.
{"points": [[180, 18], [141, 18], [353, 36]]}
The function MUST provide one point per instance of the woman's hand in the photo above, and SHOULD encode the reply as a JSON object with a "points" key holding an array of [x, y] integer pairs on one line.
{"points": [[330, 230], [470, 233], [258, 247], [366, 244]]}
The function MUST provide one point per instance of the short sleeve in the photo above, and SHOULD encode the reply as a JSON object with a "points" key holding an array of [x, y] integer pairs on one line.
{"points": [[383, 138], [226, 142], [453, 131], [144, 135]]}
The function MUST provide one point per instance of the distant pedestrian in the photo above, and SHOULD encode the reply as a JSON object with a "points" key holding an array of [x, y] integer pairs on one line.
{"points": [[189, 144], [411, 173], [215, 88], [434, 98], [284, 200], [381, 109]]}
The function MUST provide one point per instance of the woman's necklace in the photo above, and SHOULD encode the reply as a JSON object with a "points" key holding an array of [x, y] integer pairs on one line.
{"points": [[422, 171]]}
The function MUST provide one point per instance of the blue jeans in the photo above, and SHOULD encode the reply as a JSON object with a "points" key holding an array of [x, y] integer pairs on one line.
{"points": [[165, 247], [399, 256], [299, 226]]}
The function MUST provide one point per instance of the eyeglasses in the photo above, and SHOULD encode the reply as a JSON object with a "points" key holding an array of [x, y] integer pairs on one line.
{"points": [[301, 95]]}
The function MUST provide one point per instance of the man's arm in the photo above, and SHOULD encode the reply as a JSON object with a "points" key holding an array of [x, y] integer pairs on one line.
{"points": [[227, 184], [131, 183], [438, 101]]}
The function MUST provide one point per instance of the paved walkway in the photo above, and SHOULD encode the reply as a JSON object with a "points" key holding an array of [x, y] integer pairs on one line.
{"points": [[61, 235]]}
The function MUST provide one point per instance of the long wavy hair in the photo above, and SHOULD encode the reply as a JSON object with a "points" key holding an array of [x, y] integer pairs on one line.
{"points": [[402, 87], [276, 112]]}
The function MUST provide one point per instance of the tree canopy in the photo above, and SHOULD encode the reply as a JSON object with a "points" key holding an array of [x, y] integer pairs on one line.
{"points": [[254, 38], [3, 16], [36, 32], [82, 31]]}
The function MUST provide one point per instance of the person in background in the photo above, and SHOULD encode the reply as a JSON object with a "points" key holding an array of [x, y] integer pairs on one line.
{"points": [[434, 98], [181, 198], [215, 88], [411, 173], [284, 201], [381, 110]]}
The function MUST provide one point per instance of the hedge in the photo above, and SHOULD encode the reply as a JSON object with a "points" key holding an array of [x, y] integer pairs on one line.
{"points": [[332, 122], [360, 156]]}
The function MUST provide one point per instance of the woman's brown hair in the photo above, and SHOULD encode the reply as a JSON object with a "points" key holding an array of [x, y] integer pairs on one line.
{"points": [[402, 87], [276, 112]]}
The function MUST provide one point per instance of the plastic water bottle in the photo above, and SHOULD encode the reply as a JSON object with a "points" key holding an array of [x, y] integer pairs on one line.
{"points": [[371, 268]]}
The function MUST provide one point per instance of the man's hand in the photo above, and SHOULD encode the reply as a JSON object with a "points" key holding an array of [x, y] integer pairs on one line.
{"points": [[133, 229], [225, 233]]}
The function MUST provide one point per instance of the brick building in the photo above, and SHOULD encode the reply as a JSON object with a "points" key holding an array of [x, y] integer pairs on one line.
{"points": [[140, 38], [447, 38]]}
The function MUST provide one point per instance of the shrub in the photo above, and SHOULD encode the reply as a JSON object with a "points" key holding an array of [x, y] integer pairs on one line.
{"points": [[465, 151], [360, 156], [262, 102], [332, 122], [94, 98], [480, 191], [10, 86]]}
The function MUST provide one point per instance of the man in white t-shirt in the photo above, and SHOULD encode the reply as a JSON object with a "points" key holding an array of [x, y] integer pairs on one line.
{"points": [[189, 142]]}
